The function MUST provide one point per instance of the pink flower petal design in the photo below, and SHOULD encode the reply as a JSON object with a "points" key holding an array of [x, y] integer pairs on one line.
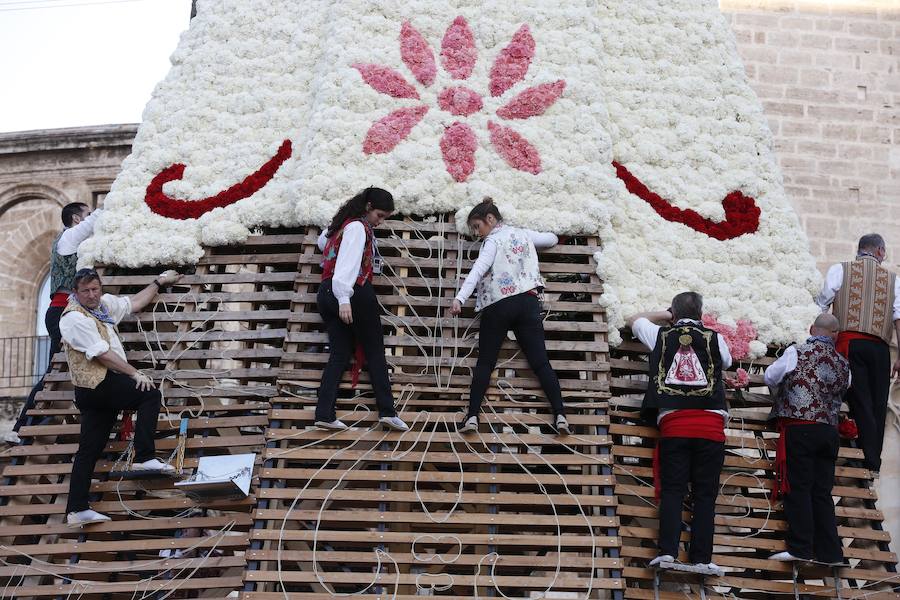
{"points": [[417, 54], [386, 80], [514, 149], [512, 63], [387, 132], [458, 53], [458, 146], [460, 101], [533, 101]]}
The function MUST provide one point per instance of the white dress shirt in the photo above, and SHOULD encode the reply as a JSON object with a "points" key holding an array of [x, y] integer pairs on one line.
{"points": [[786, 363], [779, 369], [488, 252], [72, 237], [80, 332], [647, 331], [834, 278], [349, 260]]}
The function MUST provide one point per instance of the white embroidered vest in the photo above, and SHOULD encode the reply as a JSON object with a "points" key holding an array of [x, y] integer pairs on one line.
{"points": [[515, 269]]}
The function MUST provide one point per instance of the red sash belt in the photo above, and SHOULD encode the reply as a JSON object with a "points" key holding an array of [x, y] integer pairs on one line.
{"points": [[59, 299], [842, 344], [782, 485], [687, 423]]}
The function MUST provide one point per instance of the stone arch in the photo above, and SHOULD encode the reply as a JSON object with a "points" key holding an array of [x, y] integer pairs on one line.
{"points": [[29, 222], [24, 192]]}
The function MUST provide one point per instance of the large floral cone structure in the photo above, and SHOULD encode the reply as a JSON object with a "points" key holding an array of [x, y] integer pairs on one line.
{"points": [[628, 119]]}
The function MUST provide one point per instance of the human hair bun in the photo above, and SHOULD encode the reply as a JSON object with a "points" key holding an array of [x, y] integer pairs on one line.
{"points": [[483, 209]]}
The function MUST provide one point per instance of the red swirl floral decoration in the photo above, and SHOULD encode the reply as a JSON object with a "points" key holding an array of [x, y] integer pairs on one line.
{"points": [[741, 212], [175, 208]]}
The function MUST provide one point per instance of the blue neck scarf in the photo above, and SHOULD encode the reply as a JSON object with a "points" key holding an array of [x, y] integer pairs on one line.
{"points": [[820, 338], [100, 313]]}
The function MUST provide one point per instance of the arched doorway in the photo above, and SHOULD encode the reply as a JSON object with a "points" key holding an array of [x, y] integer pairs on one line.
{"points": [[42, 339]]}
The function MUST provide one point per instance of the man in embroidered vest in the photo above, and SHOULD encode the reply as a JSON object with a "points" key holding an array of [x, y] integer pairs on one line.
{"points": [[78, 222], [865, 298], [105, 383], [686, 398], [808, 382]]}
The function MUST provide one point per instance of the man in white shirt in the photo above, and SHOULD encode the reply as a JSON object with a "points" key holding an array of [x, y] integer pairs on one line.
{"points": [[865, 298], [106, 384], [78, 221], [686, 399]]}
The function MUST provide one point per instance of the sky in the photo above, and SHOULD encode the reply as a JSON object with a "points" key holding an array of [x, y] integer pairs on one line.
{"points": [[69, 63]]}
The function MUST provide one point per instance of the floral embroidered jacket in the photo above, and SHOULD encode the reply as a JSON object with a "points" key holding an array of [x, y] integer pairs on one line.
{"points": [[515, 269]]}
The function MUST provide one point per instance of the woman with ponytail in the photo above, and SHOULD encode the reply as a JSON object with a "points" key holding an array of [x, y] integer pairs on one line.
{"points": [[507, 283], [349, 307]]}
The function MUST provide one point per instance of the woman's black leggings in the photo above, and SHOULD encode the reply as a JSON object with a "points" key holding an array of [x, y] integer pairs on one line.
{"points": [[365, 330], [521, 314]]}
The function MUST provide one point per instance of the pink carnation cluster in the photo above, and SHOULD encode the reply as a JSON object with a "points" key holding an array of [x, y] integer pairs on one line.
{"points": [[738, 338], [740, 380], [460, 101], [511, 65], [387, 132], [458, 146], [458, 57]]}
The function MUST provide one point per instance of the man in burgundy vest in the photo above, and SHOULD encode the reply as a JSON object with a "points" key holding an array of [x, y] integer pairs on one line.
{"points": [[865, 298], [685, 398], [808, 382]]}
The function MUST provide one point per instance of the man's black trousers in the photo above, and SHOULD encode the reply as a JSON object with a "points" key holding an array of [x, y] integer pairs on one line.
{"points": [[698, 462], [808, 507], [99, 409], [870, 366]]}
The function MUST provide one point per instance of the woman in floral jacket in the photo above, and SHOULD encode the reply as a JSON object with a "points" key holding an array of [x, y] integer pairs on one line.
{"points": [[507, 283], [348, 305]]}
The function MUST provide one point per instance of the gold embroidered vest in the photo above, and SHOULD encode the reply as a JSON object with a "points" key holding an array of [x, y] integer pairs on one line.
{"points": [[83, 371], [865, 302]]}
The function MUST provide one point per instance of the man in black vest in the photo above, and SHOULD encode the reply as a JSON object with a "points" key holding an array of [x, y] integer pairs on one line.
{"points": [[685, 398]]}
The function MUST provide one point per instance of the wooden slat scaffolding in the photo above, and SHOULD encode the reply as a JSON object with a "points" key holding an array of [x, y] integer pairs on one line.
{"points": [[513, 510]]}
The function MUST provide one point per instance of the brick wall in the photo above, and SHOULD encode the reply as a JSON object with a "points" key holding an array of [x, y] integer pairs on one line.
{"points": [[828, 75]]}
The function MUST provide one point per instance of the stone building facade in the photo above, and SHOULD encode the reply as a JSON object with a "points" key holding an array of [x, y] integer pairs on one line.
{"points": [[828, 75], [40, 172]]}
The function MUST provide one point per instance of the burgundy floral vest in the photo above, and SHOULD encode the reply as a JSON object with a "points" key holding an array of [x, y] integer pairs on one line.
{"points": [[333, 246], [813, 390]]}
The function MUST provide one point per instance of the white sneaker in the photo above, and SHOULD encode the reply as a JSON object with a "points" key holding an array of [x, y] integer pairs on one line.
{"points": [[337, 424], [661, 559], [12, 437], [562, 425], [154, 464], [469, 426], [85, 517], [395, 423], [784, 557]]}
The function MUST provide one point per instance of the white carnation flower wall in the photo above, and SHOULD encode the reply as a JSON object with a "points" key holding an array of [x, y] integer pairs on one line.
{"points": [[684, 119], [527, 101]]}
